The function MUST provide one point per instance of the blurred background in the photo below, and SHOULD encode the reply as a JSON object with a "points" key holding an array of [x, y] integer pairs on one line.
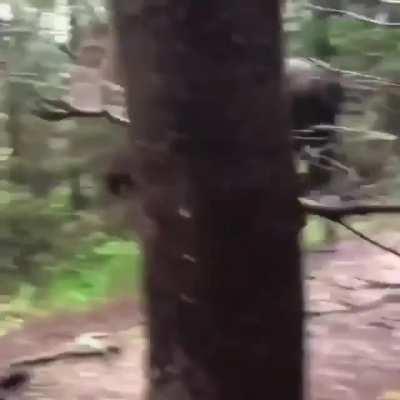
{"points": [[64, 241], [64, 244]]}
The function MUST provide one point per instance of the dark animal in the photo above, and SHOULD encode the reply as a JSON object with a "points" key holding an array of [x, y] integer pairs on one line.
{"points": [[315, 97]]}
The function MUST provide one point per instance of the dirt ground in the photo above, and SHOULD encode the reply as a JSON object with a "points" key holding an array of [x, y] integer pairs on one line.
{"points": [[353, 336]]}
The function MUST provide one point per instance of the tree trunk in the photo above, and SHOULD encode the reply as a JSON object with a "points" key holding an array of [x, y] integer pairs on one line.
{"points": [[14, 125], [215, 175], [75, 31]]}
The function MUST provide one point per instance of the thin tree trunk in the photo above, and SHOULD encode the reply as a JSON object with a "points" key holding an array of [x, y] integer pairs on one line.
{"points": [[75, 34], [215, 175], [14, 126]]}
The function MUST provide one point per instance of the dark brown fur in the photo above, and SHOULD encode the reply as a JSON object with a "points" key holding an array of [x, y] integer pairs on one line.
{"points": [[315, 98]]}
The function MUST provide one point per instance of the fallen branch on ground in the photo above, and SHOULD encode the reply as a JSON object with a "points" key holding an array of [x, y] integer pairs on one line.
{"points": [[64, 355], [47, 358]]}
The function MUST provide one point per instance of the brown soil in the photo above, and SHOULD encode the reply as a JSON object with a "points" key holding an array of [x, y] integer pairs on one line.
{"points": [[353, 336]]}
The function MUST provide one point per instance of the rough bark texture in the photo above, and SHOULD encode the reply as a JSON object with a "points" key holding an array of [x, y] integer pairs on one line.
{"points": [[217, 184]]}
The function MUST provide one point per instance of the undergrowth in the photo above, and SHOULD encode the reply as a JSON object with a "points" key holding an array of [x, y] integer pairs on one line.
{"points": [[54, 258], [101, 271]]}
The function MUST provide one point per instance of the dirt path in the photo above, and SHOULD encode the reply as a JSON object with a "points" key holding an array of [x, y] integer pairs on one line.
{"points": [[118, 376], [114, 377], [353, 336]]}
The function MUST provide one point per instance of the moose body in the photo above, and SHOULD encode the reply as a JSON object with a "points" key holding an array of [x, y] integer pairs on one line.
{"points": [[315, 98]]}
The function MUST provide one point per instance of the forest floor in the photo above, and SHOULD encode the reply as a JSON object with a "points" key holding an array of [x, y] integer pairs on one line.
{"points": [[353, 337]]}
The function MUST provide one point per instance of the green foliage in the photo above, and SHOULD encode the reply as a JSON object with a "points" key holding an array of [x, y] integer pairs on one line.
{"points": [[38, 232], [103, 268], [43, 4], [362, 46], [29, 229], [314, 235], [53, 258], [316, 40], [56, 250], [96, 273], [348, 43], [14, 310]]}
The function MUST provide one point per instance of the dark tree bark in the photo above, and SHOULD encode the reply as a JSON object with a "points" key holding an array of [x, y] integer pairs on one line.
{"points": [[215, 176]]}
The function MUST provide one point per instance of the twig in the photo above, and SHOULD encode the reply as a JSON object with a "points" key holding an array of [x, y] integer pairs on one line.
{"points": [[371, 78], [368, 239], [325, 127], [66, 50], [346, 129], [315, 163], [351, 14], [336, 164], [55, 116], [63, 110], [307, 154], [309, 138], [337, 214], [300, 131], [67, 354]]}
